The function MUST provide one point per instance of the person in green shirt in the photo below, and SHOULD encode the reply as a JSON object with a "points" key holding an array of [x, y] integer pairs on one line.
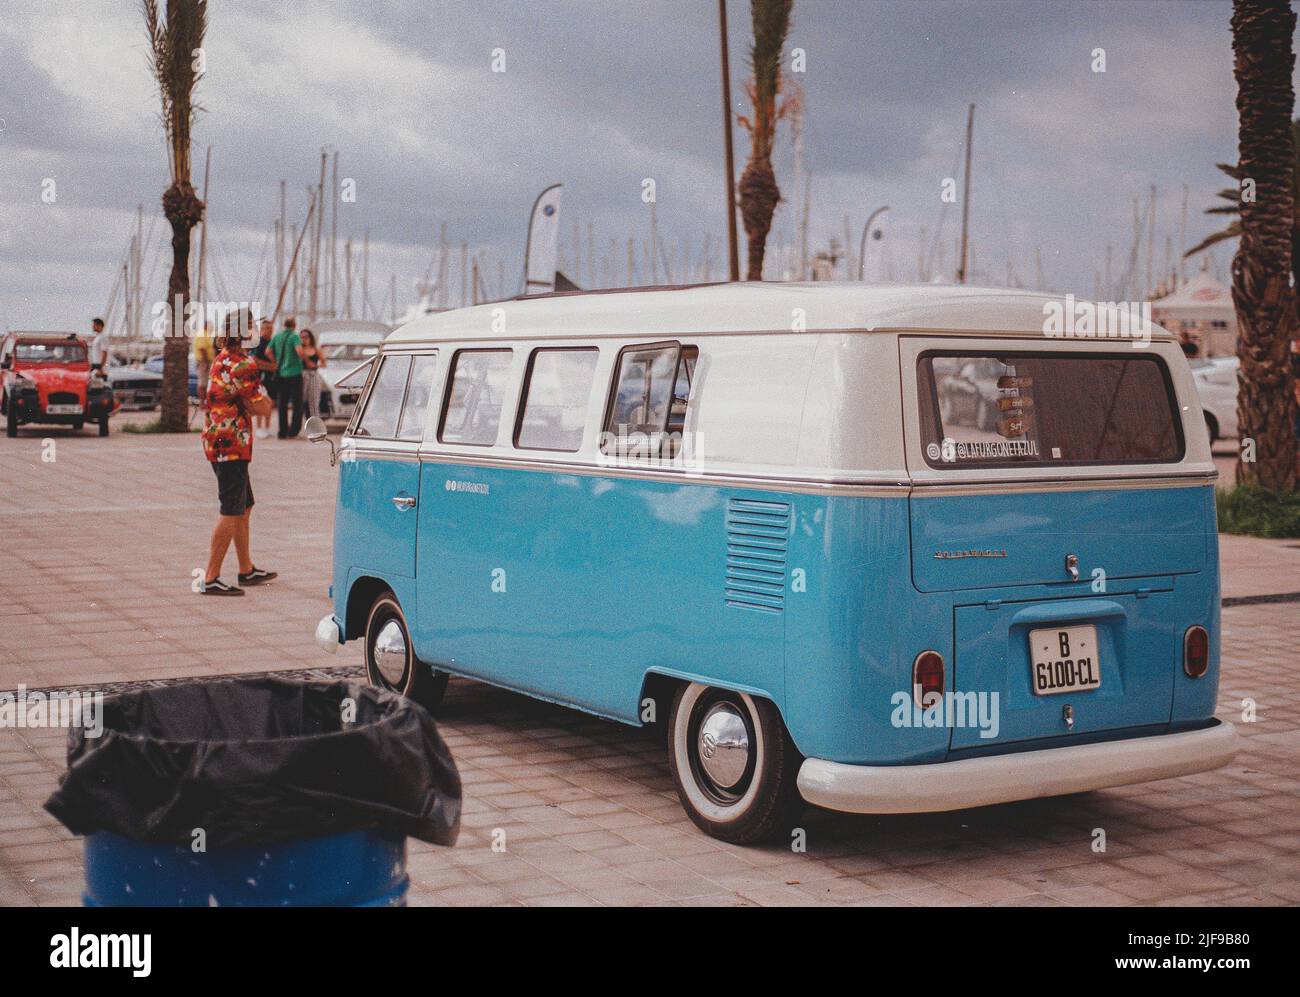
{"points": [[287, 349]]}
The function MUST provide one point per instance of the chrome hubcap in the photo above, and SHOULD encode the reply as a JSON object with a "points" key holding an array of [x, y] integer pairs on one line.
{"points": [[724, 746], [390, 653]]}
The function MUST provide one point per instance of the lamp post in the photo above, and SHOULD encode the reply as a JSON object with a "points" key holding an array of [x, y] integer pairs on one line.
{"points": [[733, 253], [862, 248]]}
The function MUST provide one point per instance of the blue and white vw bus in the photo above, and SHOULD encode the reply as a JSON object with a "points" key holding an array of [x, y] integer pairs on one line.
{"points": [[878, 549]]}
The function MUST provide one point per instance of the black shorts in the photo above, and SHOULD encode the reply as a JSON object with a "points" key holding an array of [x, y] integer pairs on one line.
{"points": [[233, 487]]}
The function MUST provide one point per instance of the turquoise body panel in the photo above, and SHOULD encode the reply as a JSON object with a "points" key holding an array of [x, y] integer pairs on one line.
{"points": [[574, 587]]}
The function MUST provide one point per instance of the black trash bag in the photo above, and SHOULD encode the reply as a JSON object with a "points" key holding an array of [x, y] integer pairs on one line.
{"points": [[255, 761]]}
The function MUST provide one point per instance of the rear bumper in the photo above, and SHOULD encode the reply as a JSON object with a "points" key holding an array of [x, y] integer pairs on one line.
{"points": [[1026, 775]]}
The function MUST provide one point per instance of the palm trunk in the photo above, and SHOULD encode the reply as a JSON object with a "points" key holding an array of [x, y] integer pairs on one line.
{"points": [[1261, 270], [183, 210], [759, 196]]}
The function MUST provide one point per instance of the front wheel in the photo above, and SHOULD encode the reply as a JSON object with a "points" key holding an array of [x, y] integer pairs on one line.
{"points": [[390, 659], [103, 424], [734, 764], [11, 419]]}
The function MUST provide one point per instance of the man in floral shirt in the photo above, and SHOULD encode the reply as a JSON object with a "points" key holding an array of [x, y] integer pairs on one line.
{"points": [[235, 395]]}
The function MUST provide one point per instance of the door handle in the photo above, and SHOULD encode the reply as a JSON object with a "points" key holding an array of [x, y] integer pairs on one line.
{"points": [[404, 502]]}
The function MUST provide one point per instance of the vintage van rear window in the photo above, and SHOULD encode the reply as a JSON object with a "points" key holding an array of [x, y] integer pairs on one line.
{"points": [[1008, 409]]}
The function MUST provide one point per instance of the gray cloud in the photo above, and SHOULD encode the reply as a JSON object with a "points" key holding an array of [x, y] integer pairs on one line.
{"points": [[600, 95]]}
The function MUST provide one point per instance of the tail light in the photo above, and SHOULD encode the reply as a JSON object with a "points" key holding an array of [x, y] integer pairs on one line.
{"points": [[927, 678], [1196, 652]]}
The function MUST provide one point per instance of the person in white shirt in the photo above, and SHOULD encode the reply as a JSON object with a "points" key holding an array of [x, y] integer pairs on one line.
{"points": [[99, 347]]}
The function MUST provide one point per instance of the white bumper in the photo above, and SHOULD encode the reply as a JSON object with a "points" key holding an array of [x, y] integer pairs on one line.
{"points": [[327, 634], [1026, 775]]}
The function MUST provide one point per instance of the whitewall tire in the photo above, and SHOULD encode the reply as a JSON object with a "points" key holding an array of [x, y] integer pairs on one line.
{"points": [[733, 763], [390, 659]]}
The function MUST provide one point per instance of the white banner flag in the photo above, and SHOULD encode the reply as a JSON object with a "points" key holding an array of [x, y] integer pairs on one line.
{"points": [[542, 252]]}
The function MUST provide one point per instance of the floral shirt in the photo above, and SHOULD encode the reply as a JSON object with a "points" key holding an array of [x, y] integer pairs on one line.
{"points": [[227, 424]]}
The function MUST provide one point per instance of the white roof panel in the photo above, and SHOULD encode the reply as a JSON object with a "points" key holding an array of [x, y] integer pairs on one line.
{"points": [[741, 307]]}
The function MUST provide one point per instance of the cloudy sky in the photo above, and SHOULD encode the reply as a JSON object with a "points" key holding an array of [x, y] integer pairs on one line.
{"points": [[600, 95]]}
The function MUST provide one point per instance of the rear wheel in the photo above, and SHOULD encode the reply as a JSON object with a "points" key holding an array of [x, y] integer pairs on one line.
{"points": [[390, 659], [734, 764]]}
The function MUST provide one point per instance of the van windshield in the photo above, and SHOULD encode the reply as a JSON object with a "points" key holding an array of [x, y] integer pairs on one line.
{"points": [[1018, 409]]}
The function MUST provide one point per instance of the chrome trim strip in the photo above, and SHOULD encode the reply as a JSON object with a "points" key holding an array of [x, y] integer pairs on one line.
{"points": [[870, 487], [350, 450], [887, 488]]}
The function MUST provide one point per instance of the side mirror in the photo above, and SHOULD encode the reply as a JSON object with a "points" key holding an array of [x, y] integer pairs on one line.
{"points": [[316, 431]]}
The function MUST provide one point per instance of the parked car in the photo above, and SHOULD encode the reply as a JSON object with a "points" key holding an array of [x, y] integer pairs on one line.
{"points": [[1216, 386], [155, 364], [135, 387], [46, 378], [832, 592], [345, 344]]}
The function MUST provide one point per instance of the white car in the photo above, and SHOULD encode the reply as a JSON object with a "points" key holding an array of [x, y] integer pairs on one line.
{"points": [[345, 343], [1216, 385]]}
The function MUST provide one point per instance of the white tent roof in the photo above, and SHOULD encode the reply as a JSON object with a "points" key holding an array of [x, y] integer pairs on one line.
{"points": [[1202, 299]]}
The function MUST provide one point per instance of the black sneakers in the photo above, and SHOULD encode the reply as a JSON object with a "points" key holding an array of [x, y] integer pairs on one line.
{"points": [[256, 577], [218, 587]]}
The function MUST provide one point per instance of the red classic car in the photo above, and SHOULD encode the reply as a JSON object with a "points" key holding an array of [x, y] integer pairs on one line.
{"points": [[46, 377]]}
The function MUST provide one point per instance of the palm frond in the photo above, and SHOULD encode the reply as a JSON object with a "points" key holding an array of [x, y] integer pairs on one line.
{"points": [[1231, 232], [771, 25], [175, 40]]}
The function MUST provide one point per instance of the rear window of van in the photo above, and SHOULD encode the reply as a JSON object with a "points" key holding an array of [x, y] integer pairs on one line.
{"points": [[1013, 409]]}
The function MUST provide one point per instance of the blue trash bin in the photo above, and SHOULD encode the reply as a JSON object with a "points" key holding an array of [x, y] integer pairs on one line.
{"points": [[360, 869], [295, 793]]}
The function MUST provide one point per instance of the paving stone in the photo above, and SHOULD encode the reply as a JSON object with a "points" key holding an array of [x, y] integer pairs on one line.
{"points": [[587, 806]]}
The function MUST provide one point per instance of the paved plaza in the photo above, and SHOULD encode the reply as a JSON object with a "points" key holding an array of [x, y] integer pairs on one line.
{"points": [[98, 546]]}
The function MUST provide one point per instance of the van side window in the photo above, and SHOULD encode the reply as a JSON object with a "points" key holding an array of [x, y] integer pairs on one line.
{"points": [[411, 424], [385, 402], [474, 398], [557, 392], [652, 388]]}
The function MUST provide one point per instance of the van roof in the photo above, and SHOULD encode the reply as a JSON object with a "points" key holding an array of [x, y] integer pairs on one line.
{"points": [[743, 307]]}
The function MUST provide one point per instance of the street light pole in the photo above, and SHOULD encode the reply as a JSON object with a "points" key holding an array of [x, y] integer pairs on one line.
{"points": [[862, 248], [733, 255]]}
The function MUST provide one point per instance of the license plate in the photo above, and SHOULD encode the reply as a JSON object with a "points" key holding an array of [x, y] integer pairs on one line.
{"points": [[63, 409], [1064, 659]]}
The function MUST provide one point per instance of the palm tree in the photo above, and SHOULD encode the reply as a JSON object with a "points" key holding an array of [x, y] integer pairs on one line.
{"points": [[759, 194], [175, 57], [1263, 62]]}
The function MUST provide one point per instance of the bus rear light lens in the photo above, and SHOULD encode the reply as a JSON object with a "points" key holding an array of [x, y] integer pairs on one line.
{"points": [[927, 678], [1196, 652]]}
